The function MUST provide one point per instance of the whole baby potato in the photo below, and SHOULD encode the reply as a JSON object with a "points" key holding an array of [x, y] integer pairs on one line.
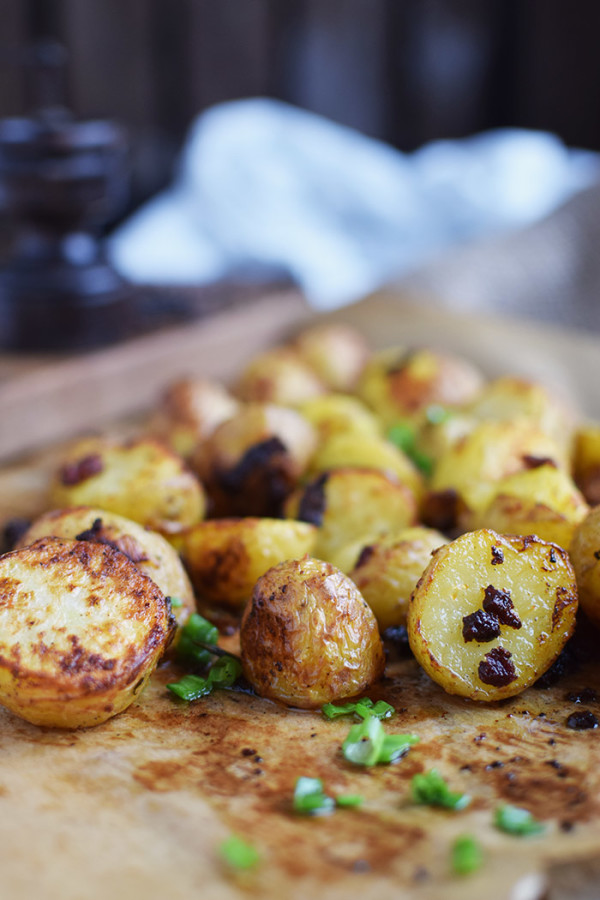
{"points": [[141, 479], [308, 637], [333, 414], [387, 571], [586, 461], [81, 630], [190, 409], [279, 376], [148, 550], [225, 557], [585, 556], [336, 352], [491, 613]]}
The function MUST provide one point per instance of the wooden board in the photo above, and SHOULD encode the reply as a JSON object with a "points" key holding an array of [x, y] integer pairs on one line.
{"points": [[138, 808]]}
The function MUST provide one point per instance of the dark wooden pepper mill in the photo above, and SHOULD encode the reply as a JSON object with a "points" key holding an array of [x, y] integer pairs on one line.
{"points": [[61, 180]]}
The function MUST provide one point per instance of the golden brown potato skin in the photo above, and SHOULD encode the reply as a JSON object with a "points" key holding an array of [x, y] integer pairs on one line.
{"points": [[189, 411], [336, 352], [225, 557], [148, 550], [81, 630], [141, 479], [279, 376], [308, 637], [585, 555], [462, 580]]}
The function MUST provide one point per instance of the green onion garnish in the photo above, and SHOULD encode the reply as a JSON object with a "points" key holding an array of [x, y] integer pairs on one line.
{"points": [[197, 630], [361, 708], [349, 800], [436, 414], [191, 687], [431, 789], [176, 602], [404, 436], [518, 821], [238, 853], [310, 799], [367, 744], [467, 855], [223, 673]]}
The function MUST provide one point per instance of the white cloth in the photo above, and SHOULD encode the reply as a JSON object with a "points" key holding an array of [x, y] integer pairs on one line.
{"points": [[266, 188]]}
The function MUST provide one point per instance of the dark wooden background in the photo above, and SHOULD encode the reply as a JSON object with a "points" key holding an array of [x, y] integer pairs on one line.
{"points": [[406, 71]]}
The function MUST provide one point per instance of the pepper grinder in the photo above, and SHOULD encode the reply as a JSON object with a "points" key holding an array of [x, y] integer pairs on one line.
{"points": [[61, 181]]}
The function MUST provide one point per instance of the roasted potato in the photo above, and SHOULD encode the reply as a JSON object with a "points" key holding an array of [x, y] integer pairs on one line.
{"points": [[251, 462], [585, 556], [225, 557], [142, 480], [189, 410], [337, 353], [492, 451], [586, 462], [278, 376], [542, 501], [348, 503], [308, 637], [491, 613], [151, 552], [334, 414], [401, 384], [81, 630], [387, 571], [364, 451]]}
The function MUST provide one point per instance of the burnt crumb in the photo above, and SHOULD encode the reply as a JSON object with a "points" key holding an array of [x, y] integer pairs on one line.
{"points": [[566, 664], [91, 534], [12, 533], [582, 720], [440, 510], [496, 764], [552, 742], [365, 555], [497, 556], [597, 554], [313, 502], [534, 462], [567, 826], [466, 768], [585, 695], [480, 626], [76, 472], [554, 764], [496, 668], [257, 772], [258, 759], [552, 555], [248, 751], [479, 738], [499, 603]]}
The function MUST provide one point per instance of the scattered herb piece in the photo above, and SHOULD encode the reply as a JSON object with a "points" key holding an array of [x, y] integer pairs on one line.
{"points": [[349, 800], [223, 674], [436, 414], [431, 789], [191, 687], [197, 630], [310, 799], [518, 821], [238, 853], [404, 436], [176, 602], [361, 708], [367, 744], [467, 855]]}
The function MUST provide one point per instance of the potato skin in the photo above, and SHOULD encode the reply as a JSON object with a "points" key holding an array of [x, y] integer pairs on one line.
{"points": [[279, 376], [141, 479], [189, 411], [225, 557], [585, 546], [541, 582], [81, 630], [148, 550], [336, 352], [308, 637]]}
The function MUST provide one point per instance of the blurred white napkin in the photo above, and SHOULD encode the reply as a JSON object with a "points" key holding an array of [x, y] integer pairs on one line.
{"points": [[269, 189]]}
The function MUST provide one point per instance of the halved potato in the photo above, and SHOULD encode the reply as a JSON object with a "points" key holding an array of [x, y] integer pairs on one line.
{"points": [[141, 479], [308, 637], [585, 556], [401, 384], [190, 409], [347, 503], [542, 501], [225, 557], [81, 630], [491, 613], [387, 571], [148, 550], [279, 376], [336, 352]]}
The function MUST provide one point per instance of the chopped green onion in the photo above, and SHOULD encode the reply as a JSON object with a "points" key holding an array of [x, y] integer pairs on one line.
{"points": [[176, 602], [310, 799], [404, 436], [467, 855], [515, 820], [422, 460], [361, 708], [349, 800], [191, 687], [225, 671], [238, 853], [367, 744], [431, 789], [197, 630], [436, 414]]}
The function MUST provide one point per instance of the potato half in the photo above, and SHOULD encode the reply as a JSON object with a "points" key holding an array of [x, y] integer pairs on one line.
{"points": [[151, 552], [225, 557], [142, 480], [491, 613], [81, 630], [308, 637]]}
